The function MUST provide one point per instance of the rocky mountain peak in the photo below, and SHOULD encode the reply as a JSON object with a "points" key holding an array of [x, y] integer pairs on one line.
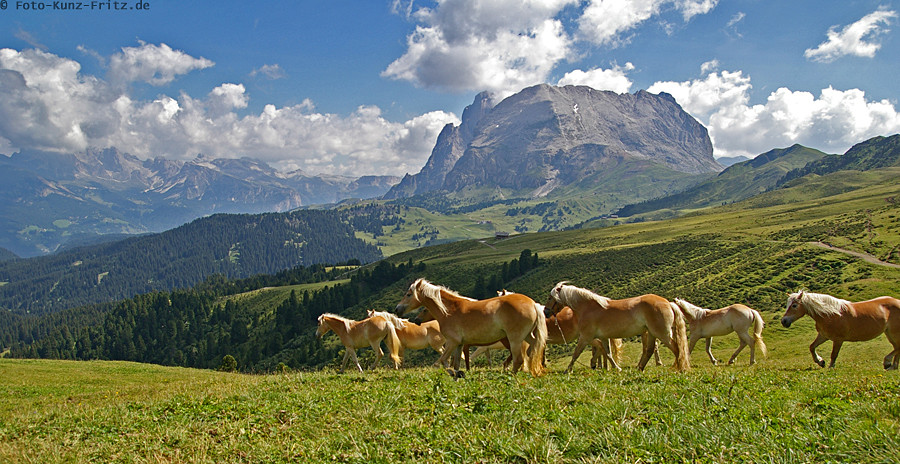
{"points": [[546, 136]]}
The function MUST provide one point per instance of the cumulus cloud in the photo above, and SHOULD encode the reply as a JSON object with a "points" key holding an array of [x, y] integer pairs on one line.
{"points": [[614, 79], [48, 104], [831, 121], [504, 45], [154, 64], [857, 39], [607, 22], [495, 45]]}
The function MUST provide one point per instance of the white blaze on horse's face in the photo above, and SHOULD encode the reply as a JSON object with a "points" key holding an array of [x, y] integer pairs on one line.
{"points": [[793, 312]]}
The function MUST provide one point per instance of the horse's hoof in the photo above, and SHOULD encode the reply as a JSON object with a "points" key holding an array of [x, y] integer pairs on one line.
{"points": [[460, 374], [821, 363]]}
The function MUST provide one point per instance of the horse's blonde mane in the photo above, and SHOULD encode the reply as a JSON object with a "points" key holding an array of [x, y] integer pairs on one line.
{"points": [[433, 293], [571, 292], [820, 304], [693, 311], [335, 316], [392, 318]]}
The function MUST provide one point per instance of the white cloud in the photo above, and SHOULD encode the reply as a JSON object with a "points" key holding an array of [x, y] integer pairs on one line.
{"points": [[857, 39], [606, 22], [614, 79], [832, 121], [48, 104], [472, 45], [270, 71], [154, 64]]}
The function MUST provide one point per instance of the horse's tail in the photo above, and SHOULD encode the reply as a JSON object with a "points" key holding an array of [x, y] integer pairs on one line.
{"points": [[758, 325], [679, 340], [615, 350], [535, 352], [393, 343]]}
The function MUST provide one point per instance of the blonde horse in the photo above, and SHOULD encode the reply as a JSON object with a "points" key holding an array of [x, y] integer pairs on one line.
{"points": [[602, 317], [467, 321], [562, 328], [706, 323], [414, 336], [360, 334], [842, 321]]}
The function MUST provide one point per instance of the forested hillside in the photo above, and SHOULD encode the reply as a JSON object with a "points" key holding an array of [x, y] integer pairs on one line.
{"points": [[231, 245]]}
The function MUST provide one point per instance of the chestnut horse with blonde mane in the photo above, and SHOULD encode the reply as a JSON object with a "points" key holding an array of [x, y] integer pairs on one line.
{"points": [[414, 336], [360, 334], [737, 318], [605, 318], [562, 329], [842, 321], [465, 321]]}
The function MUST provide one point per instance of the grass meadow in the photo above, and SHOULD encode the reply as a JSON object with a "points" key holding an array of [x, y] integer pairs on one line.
{"points": [[784, 409]]}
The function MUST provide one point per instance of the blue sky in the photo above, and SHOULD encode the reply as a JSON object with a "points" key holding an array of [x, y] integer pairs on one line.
{"points": [[363, 87]]}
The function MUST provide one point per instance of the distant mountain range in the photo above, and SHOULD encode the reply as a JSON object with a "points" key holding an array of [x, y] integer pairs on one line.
{"points": [[49, 199], [546, 137]]}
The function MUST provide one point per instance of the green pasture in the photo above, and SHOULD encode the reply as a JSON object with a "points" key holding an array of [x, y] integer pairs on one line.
{"points": [[784, 409]]}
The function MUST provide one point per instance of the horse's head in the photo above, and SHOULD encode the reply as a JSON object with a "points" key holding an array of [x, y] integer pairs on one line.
{"points": [[795, 309], [411, 300], [554, 302], [323, 327]]}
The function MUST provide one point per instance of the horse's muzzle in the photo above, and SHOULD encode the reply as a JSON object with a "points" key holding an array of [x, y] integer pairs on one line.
{"points": [[786, 322], [401, 308]]}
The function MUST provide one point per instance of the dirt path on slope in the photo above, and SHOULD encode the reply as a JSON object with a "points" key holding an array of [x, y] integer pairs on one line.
{"points": [[865, 257]]}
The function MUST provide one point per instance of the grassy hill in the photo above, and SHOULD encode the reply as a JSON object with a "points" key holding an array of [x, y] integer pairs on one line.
{"points": [[735, 183]]}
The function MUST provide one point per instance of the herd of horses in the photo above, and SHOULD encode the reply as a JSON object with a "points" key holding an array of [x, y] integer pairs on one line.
{"points": [[453, 323]]}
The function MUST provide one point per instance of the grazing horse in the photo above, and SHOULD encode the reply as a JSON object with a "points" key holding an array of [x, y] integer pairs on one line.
{"points": [[605, 318], [414, 336], [706, 323], [360, 334], [842, 321], [467, 321]]}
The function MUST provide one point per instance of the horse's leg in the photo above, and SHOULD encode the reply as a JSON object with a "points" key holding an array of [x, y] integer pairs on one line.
{"points": [[709, 351], [820, 339], [835, 349], [376, 347], [516, 355], [892, 358], [606, 352], [656, 354], [346, 358], [746, 340], [649, 345], [579, 347], [466, 355], [355, 360]]}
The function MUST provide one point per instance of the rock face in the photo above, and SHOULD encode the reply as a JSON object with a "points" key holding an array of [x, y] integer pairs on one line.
{"points": [[544, 137]]}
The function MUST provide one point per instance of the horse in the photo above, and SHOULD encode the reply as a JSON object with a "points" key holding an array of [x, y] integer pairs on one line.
{"points": [[561, 329], [414, 336], [360, 334], [841, 321], [465, 320], [605, 318], [706, 323]]}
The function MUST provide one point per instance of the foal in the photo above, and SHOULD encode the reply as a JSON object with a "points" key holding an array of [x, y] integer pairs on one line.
{"points": [[706, 323]]}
